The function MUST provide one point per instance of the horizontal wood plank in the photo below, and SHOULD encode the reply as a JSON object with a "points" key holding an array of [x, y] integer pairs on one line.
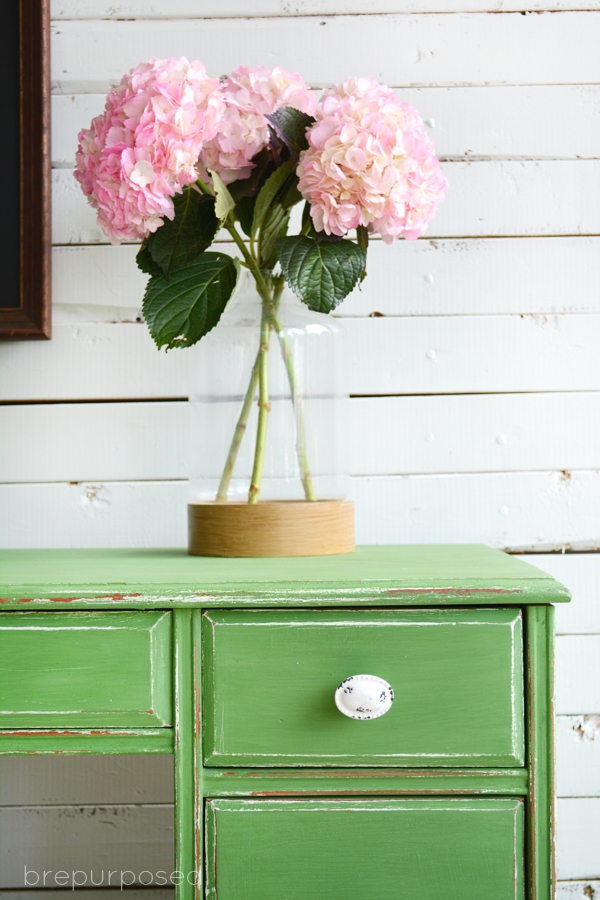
{"points": [[162, 9], [401, 50], [472, 433], [495, 353], [486, 199], [581, 574], [508, 122], [541, 511], [419, 355], [578, 675], [577, 890], [577, 829], [111, 514], [80, 839], [81, 780], [111, 441], [517, 511], [578, 756], [382, 435], [428, 277]]}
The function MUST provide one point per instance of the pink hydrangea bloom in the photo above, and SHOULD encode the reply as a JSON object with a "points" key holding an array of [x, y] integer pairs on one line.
{"points": [[143, 149], [249, 95], [370, 163]]}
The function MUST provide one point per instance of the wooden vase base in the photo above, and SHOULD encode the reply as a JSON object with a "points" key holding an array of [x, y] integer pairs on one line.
{"points": [[271, 528]]}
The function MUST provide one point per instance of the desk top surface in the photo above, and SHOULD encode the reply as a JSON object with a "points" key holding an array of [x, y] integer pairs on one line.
{"points": [[408, 575]]}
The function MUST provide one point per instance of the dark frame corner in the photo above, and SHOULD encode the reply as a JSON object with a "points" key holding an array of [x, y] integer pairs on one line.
{"points": [[33, 317]]}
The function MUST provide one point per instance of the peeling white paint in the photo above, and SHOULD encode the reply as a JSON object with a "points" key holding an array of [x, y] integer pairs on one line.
{"points": [[95, 498], [586, 728]]}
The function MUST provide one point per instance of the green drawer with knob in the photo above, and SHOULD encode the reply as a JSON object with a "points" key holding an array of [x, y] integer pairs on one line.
{"points": [[85, 670], [270, 680]]}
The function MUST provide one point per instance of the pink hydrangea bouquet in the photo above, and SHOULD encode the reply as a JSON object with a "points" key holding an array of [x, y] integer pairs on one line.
{"points": [[176, 156]]}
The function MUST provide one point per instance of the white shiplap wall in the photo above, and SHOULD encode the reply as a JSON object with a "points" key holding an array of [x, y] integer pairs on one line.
{"points": [[477, 392]]}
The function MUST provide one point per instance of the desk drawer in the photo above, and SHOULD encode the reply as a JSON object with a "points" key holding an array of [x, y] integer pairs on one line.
{"points": [[453, 849], [96, 669], [270, 678]]}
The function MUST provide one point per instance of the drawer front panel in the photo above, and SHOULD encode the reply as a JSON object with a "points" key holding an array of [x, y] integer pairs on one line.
{"points": [[270, 678], [84, 669], [458, 849]]}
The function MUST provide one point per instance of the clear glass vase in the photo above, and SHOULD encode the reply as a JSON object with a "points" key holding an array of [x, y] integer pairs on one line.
{"points": [[302, 416]]}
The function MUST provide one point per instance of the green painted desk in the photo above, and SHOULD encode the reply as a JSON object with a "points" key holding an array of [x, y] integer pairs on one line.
{"points": [[232, 665]]}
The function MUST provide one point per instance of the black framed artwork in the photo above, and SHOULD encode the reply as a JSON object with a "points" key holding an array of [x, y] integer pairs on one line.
{"points": [[25, 225]]}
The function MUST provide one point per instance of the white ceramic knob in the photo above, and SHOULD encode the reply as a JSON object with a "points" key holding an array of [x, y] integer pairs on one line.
{"points": [[364, 697]]}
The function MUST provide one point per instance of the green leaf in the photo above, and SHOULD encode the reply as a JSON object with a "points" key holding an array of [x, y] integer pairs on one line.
{"points": [[274, 226], [224, 202], [145, 262], [181, 311], [362, 239], [322, 274], [321, 237], [292, 194], [264, 164], [268, 193], [290, 126], [307, 224], [244, 210], [176, 243]]}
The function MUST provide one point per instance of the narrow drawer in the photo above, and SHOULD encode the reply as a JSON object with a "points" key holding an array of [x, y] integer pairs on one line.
{"points": [[455, 849], [85, 669], [270, 679]]}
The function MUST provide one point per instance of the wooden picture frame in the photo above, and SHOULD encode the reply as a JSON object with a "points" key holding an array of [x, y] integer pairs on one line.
{"points": [[25, 233]]}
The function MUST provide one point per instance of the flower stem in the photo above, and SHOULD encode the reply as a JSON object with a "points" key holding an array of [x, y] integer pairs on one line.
{"points": [[259, 374], [309, 491], [238, 434], [270, 295], [264, 405], [248, 259]]}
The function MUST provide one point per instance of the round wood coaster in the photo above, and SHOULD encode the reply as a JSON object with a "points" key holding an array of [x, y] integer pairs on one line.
{"points": [[271, 528]]}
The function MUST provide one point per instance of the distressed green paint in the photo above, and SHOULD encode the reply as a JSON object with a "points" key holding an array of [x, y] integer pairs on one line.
{"points": [[270, 678], [184, 752], [90, 669], [71, 743], [199, 772], [455, 849], [412, 575], [359, 781], [540, 699], [116, 678]]}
